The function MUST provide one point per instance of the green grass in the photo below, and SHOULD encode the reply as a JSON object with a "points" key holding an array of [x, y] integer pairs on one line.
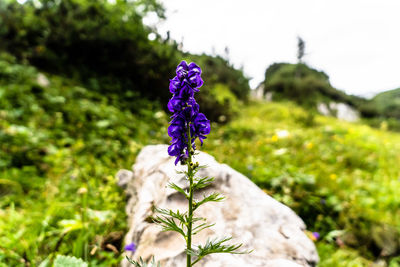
{"points": [[62, 144], [335, 175]]}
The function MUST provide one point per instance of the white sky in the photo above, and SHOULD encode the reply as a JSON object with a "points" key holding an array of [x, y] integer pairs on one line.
{"points": [[356, 42]]}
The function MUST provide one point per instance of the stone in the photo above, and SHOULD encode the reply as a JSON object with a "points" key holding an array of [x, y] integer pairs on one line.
{"points": [[260, 94], [339, 110], [272, 230]]}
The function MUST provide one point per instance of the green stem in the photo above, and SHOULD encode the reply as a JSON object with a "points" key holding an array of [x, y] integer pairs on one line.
{"points": [[190, 213]]}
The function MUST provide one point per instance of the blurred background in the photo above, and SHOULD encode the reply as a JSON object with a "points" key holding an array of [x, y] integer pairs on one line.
{"points": [[301, 94]]}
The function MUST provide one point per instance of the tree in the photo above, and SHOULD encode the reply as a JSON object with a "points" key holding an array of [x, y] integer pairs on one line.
{"points": [[300, 49]]}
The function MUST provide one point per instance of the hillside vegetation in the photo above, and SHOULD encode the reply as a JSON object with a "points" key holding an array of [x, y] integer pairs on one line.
{"points": [[341, 178], [83, 88], [61, 145], [304, 85], [309, 87], [106, 48], [388, 104]]}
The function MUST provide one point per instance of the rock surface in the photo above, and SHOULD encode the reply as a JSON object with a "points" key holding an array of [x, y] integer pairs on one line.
{"points": [[341, 111], [272, 230]]}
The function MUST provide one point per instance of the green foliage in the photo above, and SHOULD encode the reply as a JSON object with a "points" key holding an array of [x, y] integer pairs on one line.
{"points": [[62, 140], [61, 145], [167, 220], [186, 224], [303, 85], [309, 87], [142, 263], [214, 246], [387, 110], [388, 103], [341, 178], [68, 261], [106, 46]]}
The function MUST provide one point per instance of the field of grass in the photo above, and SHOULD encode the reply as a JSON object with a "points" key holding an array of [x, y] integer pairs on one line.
{"points": [[342, 178], [61, 146]]}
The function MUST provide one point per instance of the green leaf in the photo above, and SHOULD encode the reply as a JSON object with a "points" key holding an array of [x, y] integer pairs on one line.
{"points": [[169, 224], [201, 227], [69, 261], [202, 182], [214, 197], [177, 215], [179, 189], [215, 246], [142, 263]]}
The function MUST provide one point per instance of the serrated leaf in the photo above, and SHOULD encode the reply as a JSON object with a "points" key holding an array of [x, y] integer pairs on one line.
{"points": [[214, 197], [69, 261], [202, 182], [215, 246], [201, 227], [168, 224], [179, 189]]}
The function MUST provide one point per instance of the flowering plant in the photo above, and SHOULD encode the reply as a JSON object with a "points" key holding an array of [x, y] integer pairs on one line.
{"points": [[186, 126]]}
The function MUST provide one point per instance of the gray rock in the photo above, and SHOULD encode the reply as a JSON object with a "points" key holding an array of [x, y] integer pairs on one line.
{"points": [[260, 94], [341, 111], [272, 230]]}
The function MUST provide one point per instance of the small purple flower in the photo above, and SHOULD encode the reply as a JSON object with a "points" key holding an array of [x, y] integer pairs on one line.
{"points": [[191, 109], [177, 127], [187, 91], [316, 235], [174, 85], [175, 104], [194, 76], [194, 68], [130, 247], [201, 126], [182, 70], [185, 111]]}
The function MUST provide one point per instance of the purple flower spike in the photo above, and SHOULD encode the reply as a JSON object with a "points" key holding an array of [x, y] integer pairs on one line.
{"points": [[130, 247], [185, 111]]}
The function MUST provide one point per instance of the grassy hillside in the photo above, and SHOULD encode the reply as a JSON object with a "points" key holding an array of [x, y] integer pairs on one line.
{"points": [[388, 103], [61, 145], [341, 178], [308, 87], [304, 85]]}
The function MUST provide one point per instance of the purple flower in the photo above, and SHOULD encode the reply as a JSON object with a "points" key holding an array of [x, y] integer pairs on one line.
{"points": [[191, 109], [174, 85], [182, 70], [177, 127], [185, 111], [130, 247], [175, 104], [316, 235], [176, 149], [186, 90], [194, 76], [201, 126], [189, 74]]}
